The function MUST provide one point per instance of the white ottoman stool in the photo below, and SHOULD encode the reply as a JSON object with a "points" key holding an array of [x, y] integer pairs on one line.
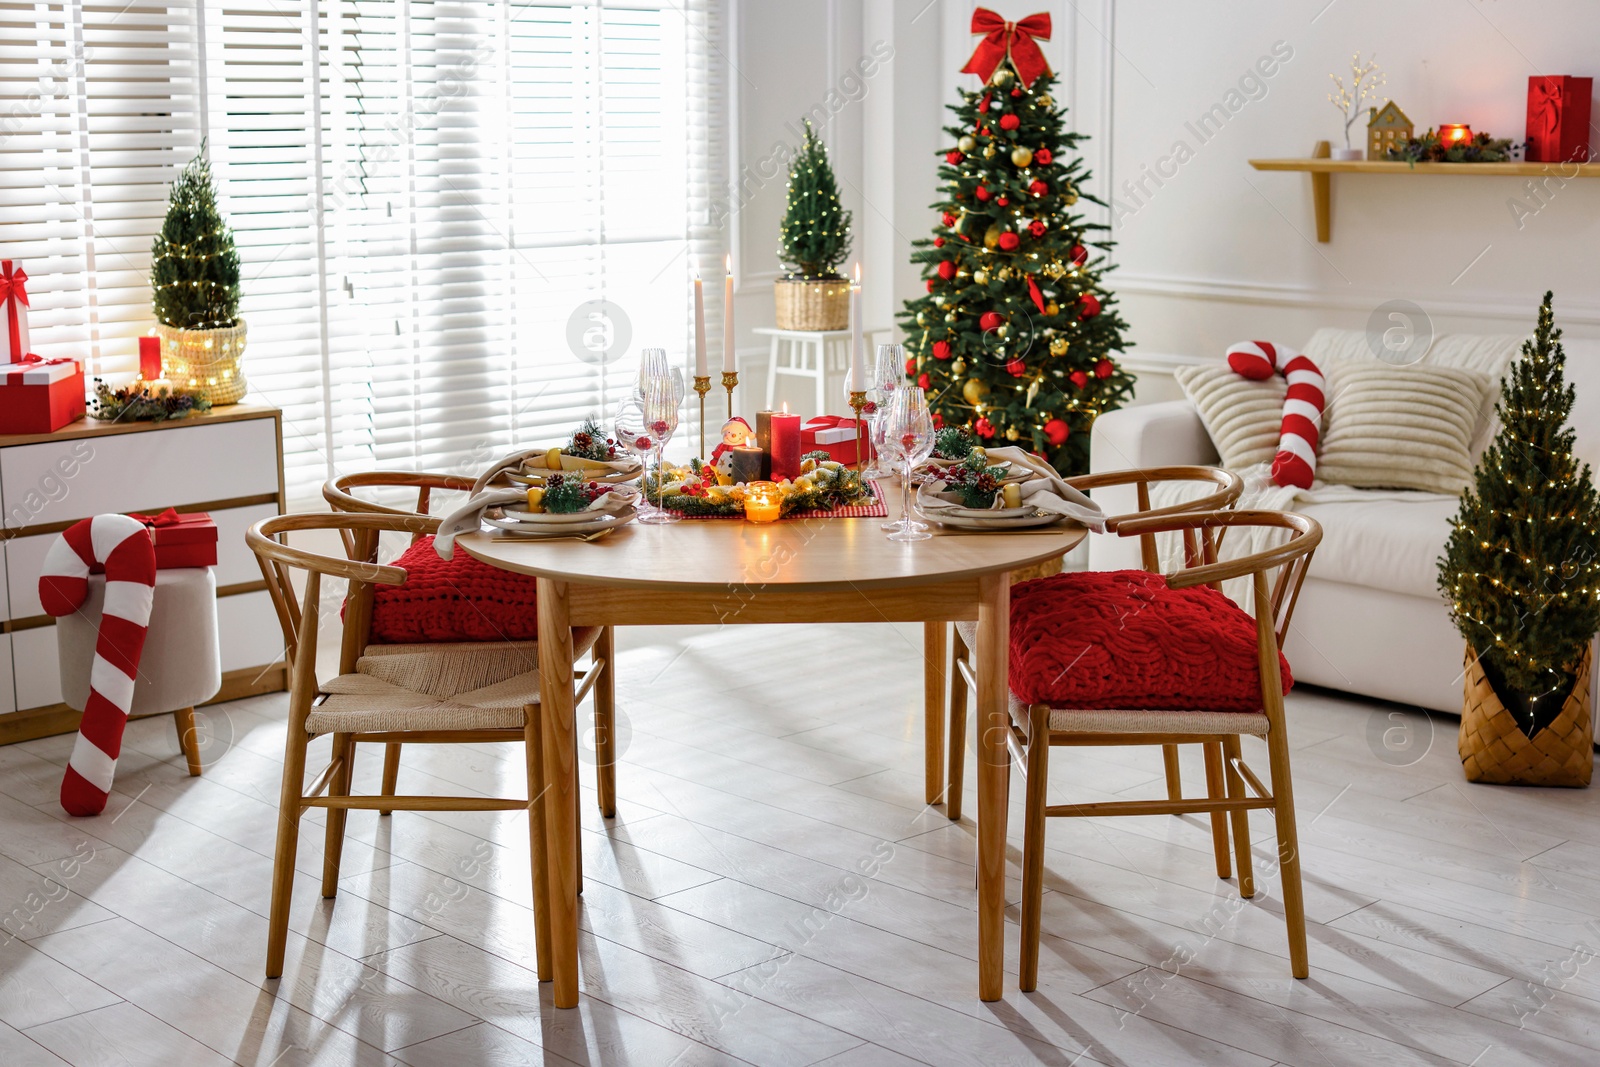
{"points": [[181, 665]]}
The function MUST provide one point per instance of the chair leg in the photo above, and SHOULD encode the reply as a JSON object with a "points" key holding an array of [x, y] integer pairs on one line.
{"points": [[1169, 759], [577, 844], [188, 739], [344, 748], [533, 745], [605, 738], [1215, 790], [391, 771], [289, 811], [1038, 763], [957, 732], [934, 648], [1241, 818], [1294, 905]]}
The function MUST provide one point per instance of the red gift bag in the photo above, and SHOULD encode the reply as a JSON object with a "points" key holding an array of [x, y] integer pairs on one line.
{"points": [[182, 540]]}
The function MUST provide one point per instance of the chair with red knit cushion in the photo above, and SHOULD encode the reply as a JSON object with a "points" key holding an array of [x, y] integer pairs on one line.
{"points": [[463, 599], [1133, 658]]}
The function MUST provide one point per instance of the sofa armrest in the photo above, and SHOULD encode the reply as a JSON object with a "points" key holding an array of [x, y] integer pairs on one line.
{"points": [[1150, 435]]}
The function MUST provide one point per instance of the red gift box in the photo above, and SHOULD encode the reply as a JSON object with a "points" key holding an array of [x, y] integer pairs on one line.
{"points": [[833, 434], [182, 540], [1558, 119], [40, 395]]}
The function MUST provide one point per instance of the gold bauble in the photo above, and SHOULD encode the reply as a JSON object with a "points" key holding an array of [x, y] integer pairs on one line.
{"points": [[951, 317], [1045, 100], [1058, 347], [958, 367], [1012, 434], [1051, 308], [1001, 331], [980, 276], [922, 318], [991, 236], [974, 391], [1005, 273], [1070, 199], [1021, 157], [1002, 77], [988, 152], [967, 143]]}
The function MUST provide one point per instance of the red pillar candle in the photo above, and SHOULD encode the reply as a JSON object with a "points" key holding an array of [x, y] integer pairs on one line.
{"points": [[149, 358], [785, 449]]}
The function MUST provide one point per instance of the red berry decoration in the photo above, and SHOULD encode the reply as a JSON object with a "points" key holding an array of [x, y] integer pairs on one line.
{"points": [[930, 285], [1016, 92], [953, 157], [1080, 255], [911, 366], [1009, 122], [948, 219], [1038, 187], [1057, 432], [1090, 306], [938, 242], [983, 105], [983, 428], [1043, 157], [982, 192], [1037, 228], [947, 269], [1017, 368], [1002, 201], [990, 320], [923, 381], [1079, 378], [983, 131], [941, 350], [1009, 241], [1104, 368]]}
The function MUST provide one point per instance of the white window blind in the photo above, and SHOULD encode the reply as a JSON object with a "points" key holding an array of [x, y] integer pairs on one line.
{"points": [[428, 199]]}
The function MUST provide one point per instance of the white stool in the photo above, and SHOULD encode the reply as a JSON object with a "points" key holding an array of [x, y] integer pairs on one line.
{"points": [[181, 665], [804, 354]]}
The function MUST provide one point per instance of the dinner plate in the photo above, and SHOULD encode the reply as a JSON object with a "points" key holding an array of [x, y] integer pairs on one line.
{"points": [[519, 513], [993, 521], [590, 522]]}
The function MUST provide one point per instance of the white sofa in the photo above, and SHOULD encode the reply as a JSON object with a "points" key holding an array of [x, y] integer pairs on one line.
{"points": [[1370, 619]]}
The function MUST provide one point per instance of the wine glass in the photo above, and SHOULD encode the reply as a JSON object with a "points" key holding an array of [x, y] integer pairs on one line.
{"points": [[661, 400], [652, 366], [888, 370], [633, 434], [908, 438]]}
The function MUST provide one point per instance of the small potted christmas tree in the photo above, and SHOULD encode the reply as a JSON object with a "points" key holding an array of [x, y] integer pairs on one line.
{"points": [[812, 244], [1522, 573], [194, 279]]}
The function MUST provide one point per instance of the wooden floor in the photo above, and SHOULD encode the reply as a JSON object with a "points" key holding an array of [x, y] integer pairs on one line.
{"points": [[773, 892]]}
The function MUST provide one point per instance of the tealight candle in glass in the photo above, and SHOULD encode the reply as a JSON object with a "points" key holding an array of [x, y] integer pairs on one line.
{"points": [[763, 501]]}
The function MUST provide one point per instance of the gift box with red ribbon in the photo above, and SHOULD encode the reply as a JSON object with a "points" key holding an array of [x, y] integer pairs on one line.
{"points": [[1558, 118], [40, 395], [833, 434], [182, 540], [13, 311]]}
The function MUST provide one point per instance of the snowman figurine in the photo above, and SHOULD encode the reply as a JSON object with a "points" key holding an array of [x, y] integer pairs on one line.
{"points": [[736, 433]]}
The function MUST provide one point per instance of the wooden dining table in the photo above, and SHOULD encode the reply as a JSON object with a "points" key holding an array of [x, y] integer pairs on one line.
{"points": [[803, 570]]}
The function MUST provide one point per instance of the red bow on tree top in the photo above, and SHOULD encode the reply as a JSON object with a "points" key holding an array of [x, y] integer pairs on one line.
{"points": [[1018, 38]]}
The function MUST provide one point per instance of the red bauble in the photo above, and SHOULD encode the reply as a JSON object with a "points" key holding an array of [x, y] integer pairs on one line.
{"points": [[948, 219], [1038, 188], [1057, 432], [982, 192], [983, 105], [923, 381], [1080, 255], [941, 350], [1009, 241], [911, 365], [938, 242], [1009, 122], [953, 157], [1043, 157], [947, 269], [1090, 306], [983, 131], [1016, 92], [1037, 228], [1017, 368], [983, 428], [1002, 201], [938, 421], [1078, 378], [990, 320], [930, 285], [1104, 368]]}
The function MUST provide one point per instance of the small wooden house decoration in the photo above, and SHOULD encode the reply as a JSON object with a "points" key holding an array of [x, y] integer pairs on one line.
{"points": [[1387, 127]]}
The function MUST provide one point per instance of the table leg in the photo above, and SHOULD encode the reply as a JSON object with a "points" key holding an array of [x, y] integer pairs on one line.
{"points": [[561, 785], [994, 768], [935, 663]]}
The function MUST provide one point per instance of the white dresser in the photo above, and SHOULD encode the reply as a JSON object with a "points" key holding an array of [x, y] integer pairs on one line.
{"points": [[228, 462]]}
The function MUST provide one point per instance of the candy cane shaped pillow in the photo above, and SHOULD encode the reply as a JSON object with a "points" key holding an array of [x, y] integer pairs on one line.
{"points": [[1296, 460], [124, 549]]}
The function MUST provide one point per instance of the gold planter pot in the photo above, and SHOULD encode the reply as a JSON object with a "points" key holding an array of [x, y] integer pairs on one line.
{"points": [[210, 362], [1494, 749], [804, 304]]}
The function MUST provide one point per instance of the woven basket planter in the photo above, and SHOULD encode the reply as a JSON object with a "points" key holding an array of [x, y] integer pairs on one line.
{"points": [[211, 362], [1493, 748], [812, 305]]}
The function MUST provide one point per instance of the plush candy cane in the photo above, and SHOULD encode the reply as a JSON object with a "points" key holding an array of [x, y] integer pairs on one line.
{"points": [[1302, 405], [124, 549]]}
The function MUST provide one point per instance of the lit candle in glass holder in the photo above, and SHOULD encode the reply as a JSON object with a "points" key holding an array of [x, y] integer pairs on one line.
{"points": [[1455, 133], [762, 501]]}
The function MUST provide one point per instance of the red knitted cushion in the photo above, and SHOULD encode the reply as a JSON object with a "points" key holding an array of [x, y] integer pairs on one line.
{"points": [[1123, 640], [459, 599]]}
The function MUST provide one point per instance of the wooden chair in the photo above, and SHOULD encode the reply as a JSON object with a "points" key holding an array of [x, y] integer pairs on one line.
{"points": [[458, 693], [1229, 488], [340, 493], [1035, 728]]}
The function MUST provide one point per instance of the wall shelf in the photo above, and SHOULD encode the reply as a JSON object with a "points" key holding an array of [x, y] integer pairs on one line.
{"points": [[1322, 169]]}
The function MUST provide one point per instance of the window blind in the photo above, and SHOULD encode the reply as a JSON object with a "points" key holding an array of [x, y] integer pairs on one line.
{"points": [[444, 210]]}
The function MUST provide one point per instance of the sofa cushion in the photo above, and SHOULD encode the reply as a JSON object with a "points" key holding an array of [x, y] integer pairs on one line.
{"points": [[1390, 542], [1405, 427], [1244, 416]]}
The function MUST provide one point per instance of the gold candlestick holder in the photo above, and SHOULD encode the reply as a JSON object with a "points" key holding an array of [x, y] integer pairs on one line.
{"points": [[730, 378], [858, 401], [702, 385]]}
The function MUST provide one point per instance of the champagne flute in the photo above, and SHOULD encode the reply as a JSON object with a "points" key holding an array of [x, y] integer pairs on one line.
{"points": [[888, 370], [652, 366], [662, 397], [908, 435], [633, 434]]}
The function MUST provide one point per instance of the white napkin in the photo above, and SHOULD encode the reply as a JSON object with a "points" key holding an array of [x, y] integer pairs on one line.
{"points": [[468, 518], [533, 459], [1046, 490]]}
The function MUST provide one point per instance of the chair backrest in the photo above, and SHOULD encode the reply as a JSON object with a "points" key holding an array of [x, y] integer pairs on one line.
{"points": [[298, 619], [1229, 487], [341, 496]]}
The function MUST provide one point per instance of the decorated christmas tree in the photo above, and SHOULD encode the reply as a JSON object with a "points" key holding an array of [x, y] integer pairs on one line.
{"points": [[1522, 566], [194, 269], [815, 237], [1016, 338]]}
